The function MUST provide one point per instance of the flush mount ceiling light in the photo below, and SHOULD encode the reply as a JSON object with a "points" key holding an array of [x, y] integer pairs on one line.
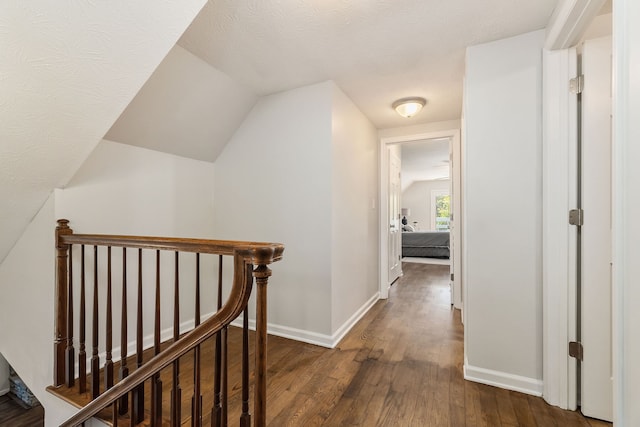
{"points": [[408, 107]]}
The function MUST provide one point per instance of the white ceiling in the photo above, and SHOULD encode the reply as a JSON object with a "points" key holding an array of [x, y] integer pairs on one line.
{"points": [[424, 160], [187, 108], [376, 51]]}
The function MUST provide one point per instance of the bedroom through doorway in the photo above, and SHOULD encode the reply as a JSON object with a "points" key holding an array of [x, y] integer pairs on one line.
{"points": [[425, 201], [426, 207]]}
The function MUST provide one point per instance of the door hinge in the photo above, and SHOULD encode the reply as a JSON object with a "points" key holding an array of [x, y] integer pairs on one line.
{"points": [[576, 85], [576, 217], [575, 350], [452, 277]]}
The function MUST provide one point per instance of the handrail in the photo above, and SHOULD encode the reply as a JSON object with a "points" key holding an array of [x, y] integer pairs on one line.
{"points": [[257, 252], [246, 255]]}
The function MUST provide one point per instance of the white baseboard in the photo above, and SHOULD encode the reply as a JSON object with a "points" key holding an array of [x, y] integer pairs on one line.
{"points": [[147, 342], [503, 380], [290, 333], [323, 340], [350, 323]]}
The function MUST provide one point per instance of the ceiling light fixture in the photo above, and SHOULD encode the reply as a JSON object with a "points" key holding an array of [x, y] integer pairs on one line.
{"points": [[409, 107]]}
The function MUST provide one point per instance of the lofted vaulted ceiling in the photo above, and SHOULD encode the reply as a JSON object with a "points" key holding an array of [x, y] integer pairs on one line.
{"points": [[376, 51], [425, 160]]}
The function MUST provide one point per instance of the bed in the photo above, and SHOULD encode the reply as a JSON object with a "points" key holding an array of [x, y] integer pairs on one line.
{"points": [[425, 244]]}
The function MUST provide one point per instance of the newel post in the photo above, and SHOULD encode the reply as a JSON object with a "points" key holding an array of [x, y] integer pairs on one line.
{"points": [[261, 274], [60, 324]]}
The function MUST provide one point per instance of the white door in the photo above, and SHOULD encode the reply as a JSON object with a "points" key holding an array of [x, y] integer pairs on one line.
{"points": [[395, 232], [452, 225], [596, 397]]}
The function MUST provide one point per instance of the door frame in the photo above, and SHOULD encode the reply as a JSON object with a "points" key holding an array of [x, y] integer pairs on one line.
{"points": [[559, 239], [415, 134], [559, 314]]}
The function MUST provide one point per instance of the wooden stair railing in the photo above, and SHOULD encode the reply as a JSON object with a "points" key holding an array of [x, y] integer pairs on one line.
{"points": [[126, 396]]}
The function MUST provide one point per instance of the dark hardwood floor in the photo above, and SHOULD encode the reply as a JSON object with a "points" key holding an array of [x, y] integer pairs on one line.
{"points": [[401, 365], [14, 415]]}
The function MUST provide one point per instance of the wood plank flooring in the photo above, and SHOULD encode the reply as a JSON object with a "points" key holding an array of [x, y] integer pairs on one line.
{"points": [[14, 415], [401, 365]]}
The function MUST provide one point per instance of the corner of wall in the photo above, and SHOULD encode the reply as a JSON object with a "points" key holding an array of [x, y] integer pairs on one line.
{"points": [[504, 380], [354, 211], [27, 278]]}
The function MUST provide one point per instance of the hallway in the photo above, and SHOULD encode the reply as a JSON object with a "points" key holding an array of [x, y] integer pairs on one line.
{"points": [[400, 366]]}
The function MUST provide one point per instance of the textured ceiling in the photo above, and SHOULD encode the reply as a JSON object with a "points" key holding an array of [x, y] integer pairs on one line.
{"points": [[67, 70], [376, 50]]}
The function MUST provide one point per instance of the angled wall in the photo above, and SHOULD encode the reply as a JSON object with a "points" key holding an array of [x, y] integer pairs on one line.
{"points": [[273, 183], [68, 71], [354, 214], [119, 189], [301, 170]]}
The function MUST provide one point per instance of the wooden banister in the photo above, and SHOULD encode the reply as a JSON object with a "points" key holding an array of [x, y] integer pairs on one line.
{"points": [[250, 261], [256, 252]]}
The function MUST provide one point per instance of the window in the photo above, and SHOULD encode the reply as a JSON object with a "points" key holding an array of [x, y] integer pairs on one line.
{"points": [[440, 210]]}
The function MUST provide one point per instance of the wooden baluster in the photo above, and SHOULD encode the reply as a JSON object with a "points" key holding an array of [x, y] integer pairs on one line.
{"points": [[261, 274], [82, 354], [114, 414], [216, 411], [176, 392], [245, 418], [95, 359], [60, 326], [224, 389], [124, 369], [108, 364], [156, 383], [196, 400], [137, 396], [70, 353]]}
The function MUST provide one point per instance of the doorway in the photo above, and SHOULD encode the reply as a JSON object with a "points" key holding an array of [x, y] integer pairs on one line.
{"points": [[578, 179], [387, 144]]}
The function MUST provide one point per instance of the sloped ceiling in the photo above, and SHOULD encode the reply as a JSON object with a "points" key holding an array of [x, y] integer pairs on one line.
{"points": [[67, 71], [376, 50], [424, 160], [187, 108]]}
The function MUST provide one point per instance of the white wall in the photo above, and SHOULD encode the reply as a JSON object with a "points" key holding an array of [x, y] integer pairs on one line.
{"points": [[27, 305], [128, 190], [4, 376], [273, 183], [502, 202], [626, 209], [354, 207], [301, 170], [121, 190], [417, 197]]}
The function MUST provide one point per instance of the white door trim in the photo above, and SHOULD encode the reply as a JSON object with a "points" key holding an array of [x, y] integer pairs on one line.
{"points": [[569, 22], [559, 244], [626, 210], [454, 135], [565, 28]]}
